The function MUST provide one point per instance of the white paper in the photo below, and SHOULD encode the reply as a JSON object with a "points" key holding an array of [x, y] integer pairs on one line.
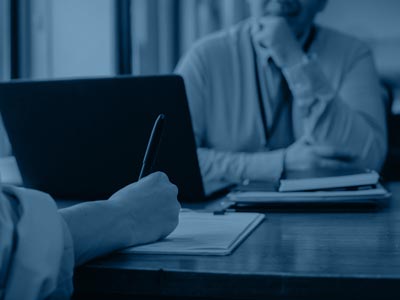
{"points": [[200, 233]]}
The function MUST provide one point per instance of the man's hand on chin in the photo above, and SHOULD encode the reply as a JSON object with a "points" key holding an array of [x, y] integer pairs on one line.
{"points": [[274, 34]]}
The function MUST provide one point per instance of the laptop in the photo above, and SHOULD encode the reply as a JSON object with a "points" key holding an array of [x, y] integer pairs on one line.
{"points": [[85, 138]]}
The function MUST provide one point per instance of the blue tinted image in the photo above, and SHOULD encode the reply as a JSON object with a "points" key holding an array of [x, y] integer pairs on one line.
{"points": [[199, 149]]}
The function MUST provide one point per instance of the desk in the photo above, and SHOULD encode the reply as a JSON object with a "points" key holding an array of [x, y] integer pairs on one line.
{"points": [[290, 256]]}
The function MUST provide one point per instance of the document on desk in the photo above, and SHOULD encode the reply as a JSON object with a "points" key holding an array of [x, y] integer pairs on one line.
{"points": [[201, 233], [340, 196]]}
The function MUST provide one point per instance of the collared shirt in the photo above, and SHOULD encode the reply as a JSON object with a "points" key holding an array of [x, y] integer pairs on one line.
{"points": [[36, 248], [336, 102], [274, 93]]}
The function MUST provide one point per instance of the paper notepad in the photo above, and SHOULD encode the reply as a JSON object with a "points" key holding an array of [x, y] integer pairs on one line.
{"points": [[341, 196], [200, 233], [327, 179]]}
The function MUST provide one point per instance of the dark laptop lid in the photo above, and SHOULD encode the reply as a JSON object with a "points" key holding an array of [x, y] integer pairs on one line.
{"points": [[86, 138]]}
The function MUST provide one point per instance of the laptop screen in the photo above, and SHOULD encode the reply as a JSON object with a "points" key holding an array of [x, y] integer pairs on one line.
{"points": [[85, 139]]}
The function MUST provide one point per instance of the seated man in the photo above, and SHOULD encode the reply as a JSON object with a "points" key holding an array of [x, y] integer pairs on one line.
{"points": [[277, 92], [39, 246]]}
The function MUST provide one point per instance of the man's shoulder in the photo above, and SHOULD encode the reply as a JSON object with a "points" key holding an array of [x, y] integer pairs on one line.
{"points": [[340, 41], [222, 40]]}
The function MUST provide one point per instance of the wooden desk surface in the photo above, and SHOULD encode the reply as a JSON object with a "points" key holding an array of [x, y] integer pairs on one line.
{"points": [[290, 256]]}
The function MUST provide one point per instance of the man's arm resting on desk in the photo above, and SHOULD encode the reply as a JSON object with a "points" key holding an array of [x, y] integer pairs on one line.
{"points": [[236, 167], [269, 165], [352, 119]]}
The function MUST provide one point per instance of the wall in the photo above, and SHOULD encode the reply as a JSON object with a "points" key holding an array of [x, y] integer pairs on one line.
{"points": [[82, 37], [375, 21], [4, 41], [72, 38], [365, 18]]}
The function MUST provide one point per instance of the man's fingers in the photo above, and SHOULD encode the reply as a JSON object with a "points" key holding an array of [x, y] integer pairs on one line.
{"points": [[262, 37], [271, 20], [158, 177], [263, 29], [327, 163], [333, 153]]}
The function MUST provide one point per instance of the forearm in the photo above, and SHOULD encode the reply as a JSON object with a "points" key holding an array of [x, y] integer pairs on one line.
{"points": [[236, 167], [338, 125], [328, 120], [97, 228]]}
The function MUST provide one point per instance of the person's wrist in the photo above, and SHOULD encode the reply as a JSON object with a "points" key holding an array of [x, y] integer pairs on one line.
{"points": [[97, 228], [124, 222]]}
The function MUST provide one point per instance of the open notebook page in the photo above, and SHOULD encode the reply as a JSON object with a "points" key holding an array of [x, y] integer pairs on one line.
{"points": [[200, 233]]}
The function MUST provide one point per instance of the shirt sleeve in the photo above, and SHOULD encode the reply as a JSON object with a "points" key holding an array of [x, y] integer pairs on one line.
{"points": [[221, 165], [38, 259], [237, 167], [352, 116]]}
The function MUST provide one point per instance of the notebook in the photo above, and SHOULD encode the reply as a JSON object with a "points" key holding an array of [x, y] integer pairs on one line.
{"points": [[315, 187], [354, 196], [327, 179], [203, 233]]}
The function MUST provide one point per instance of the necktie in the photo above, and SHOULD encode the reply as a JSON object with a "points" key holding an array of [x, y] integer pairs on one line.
{"points": [[275, 102], [276, 90]]}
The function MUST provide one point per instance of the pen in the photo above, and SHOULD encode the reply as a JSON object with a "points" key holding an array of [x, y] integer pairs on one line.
{"points": [[152, 147]]}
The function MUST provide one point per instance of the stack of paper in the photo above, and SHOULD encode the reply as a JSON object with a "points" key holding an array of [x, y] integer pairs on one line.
{"points": [[201, 233], [315, 186], [327, 179], [340, 196]]}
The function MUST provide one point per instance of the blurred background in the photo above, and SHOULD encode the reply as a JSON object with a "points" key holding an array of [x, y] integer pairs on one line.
{"points": [[58, 38], [43, 39]]}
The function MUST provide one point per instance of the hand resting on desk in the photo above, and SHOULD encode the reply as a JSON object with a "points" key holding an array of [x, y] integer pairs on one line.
{"points": [[304, 156], [140, 213]]}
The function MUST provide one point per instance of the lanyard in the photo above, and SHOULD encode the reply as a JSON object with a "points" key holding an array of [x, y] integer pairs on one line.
{"points": [[269, 131]]}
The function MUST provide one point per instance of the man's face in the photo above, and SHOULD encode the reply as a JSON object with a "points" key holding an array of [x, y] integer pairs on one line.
{"points": [[299, 14]]}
